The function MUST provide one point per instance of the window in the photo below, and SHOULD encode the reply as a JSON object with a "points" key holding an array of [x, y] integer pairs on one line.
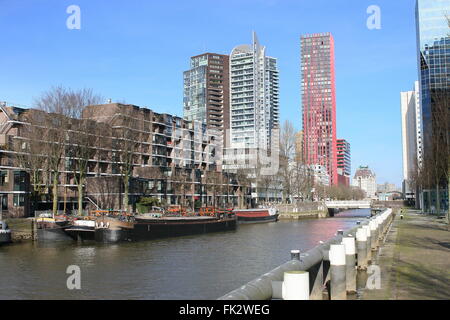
{"points": [[3, 178], [19, 181], [4, 201], [19, 200]]}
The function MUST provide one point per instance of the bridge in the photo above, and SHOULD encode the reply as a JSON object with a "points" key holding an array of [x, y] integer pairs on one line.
{"points": [[348, 204]]}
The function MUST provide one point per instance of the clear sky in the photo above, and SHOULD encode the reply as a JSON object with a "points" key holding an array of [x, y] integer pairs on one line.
{"points": [[135, 52]]}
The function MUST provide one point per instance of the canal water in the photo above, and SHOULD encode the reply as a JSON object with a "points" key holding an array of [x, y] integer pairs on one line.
{"points": [[192, 267]]}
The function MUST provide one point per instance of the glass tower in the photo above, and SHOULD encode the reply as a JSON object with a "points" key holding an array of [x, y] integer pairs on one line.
{"points": [[433, 45]]}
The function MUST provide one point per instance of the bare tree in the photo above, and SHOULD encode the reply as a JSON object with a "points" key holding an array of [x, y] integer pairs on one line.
{"points": [[287, 157], [66, 101], [55, 137], [244, 179], [125, 148], [28, 152], [62, 106], [80, 151], [437, 156]]}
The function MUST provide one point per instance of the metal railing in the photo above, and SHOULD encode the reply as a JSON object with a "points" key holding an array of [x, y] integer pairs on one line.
{"points": [[331, 264], [363, 204]]}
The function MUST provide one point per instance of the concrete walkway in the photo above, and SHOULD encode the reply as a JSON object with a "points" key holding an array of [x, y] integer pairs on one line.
{"points": [[414, 260]]}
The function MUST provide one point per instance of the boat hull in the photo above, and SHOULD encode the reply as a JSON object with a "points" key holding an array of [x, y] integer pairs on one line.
{"points": [[112, 235], [80, 233], [53, 234], [147, 230], [264, 219], [5, 237]]}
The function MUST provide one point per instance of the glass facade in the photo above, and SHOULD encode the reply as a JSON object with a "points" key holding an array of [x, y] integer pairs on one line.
{"points": [[195, 90], [433, 44], [206, 90]]}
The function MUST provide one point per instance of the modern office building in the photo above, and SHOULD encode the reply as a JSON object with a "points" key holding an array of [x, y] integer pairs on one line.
{"points": [[433, 60], [411, 139], [254, 101], [206, 91], [344, 165], [319, 102], [387, 187], [365, 179], [433, 46]]}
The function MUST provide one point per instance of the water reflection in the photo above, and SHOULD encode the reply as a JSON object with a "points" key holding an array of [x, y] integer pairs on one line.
{"points": [[192, 267]]}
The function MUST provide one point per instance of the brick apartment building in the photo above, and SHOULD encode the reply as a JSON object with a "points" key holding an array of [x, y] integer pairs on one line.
{"points": [[174, 160]]}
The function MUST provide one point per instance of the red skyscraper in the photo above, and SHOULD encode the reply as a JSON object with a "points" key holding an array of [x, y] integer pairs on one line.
{"points": [[319, 102]]}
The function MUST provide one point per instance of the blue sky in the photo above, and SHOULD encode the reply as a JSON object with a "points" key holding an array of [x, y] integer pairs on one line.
{"points": [[136, 52]]}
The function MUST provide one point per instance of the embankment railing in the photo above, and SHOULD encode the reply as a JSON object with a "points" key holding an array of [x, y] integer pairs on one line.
{"points": [[331, 266]]}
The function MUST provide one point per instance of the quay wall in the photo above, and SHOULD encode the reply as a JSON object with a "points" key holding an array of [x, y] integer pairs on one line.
{"points": [[22, 229], [302, 215]]}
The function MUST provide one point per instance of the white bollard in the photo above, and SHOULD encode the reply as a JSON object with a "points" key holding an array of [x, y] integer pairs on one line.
{"points": [[350, 262], [295, 285], [337, 272], [369, 243], [361, 243]]}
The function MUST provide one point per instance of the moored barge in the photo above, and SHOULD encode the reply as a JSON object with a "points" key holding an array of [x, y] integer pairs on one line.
{"points": [[256, 215], [148, 227]]}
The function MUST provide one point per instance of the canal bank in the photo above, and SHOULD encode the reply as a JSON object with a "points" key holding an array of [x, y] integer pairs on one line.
{"points": [[414, 261]]}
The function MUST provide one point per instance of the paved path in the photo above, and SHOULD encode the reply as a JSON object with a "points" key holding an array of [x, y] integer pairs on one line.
{"points": [[414, 260]]}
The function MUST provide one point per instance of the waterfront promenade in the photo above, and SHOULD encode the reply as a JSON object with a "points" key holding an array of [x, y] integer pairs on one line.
{"points": [[414, 260]]}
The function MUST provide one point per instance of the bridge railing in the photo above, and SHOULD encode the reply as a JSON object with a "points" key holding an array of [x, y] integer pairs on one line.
{"points": [[348, 203], [331, 264]]}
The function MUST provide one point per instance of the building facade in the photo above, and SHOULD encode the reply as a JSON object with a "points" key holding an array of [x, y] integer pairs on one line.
{"points": [[254, 97], [411, 139], [319, 102], [433, 46], [299, 147], [365, 179], [344, 164], [154, 155], [320, 175], [206, 91]]}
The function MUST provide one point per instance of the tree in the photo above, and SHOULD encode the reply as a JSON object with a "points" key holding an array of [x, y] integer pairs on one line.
{"points": [[28, 152], [81, 151], [437, 158], [287, 157], [244, 180], [62, 106], [125, 146]]}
